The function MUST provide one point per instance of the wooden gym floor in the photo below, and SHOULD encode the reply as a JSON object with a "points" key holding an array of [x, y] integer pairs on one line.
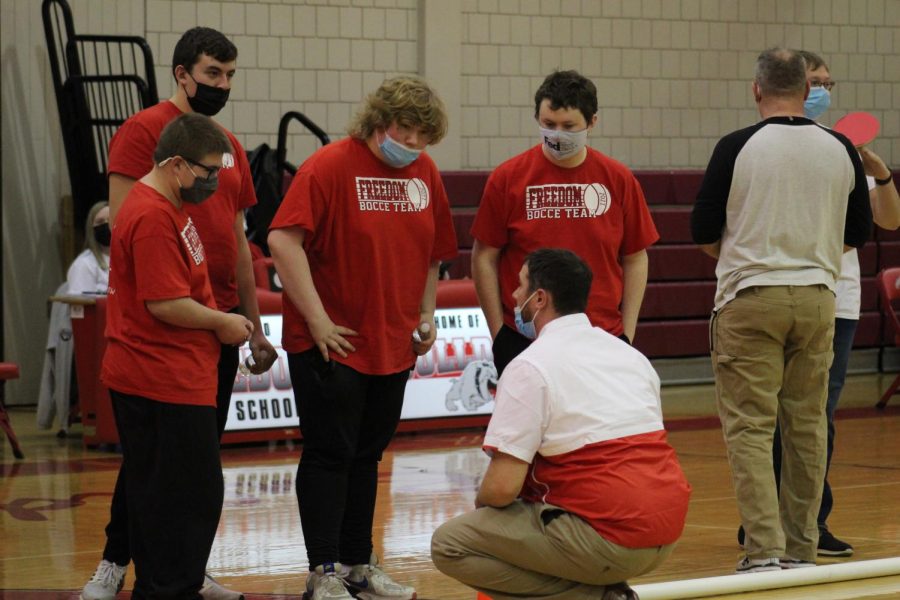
{"points": [[54, 505]]}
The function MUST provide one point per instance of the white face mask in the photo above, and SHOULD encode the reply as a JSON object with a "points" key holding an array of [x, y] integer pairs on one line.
{"points": [[563, 144]]}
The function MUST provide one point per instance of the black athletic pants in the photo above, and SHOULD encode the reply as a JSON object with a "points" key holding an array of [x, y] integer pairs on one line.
{"points": [[173, 492], [117, 549], [347, 419]]}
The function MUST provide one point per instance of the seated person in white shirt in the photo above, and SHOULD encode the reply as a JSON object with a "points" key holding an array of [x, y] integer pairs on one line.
{"points": [[583, 491], [89, 272]]}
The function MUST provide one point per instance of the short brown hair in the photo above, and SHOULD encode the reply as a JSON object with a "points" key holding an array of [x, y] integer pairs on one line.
{"points": [[408, 101], [564, 275], [196, 42], [813, 60], [192, 136], [567, 89]]}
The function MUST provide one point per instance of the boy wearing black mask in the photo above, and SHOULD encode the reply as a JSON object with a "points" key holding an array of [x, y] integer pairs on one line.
{"points": [[203, 64]]}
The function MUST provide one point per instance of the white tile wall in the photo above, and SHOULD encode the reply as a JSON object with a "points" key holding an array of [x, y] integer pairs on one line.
{"points": [[674, 70], [319, 57]]}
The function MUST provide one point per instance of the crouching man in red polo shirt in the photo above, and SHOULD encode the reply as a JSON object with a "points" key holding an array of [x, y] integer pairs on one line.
{"points": [[163, 343], [583, 491]]}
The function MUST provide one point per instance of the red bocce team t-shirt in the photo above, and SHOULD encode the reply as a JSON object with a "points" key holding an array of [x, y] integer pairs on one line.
{"points": [[597, 210], [157, 254], [371, 233], [131, 154]]}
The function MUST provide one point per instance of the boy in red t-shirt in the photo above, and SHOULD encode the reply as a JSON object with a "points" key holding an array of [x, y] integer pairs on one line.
{"points": [[562, 193], [163, 334], [203, 63], [357, 243]]}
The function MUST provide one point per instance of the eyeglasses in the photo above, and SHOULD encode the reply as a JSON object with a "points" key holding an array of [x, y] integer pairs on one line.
{"points": [[828, 85], [211, 172]]}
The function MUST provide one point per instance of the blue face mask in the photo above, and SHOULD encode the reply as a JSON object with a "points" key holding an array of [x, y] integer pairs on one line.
{"points": [[817, 102], [396, 154], [526, 329]]}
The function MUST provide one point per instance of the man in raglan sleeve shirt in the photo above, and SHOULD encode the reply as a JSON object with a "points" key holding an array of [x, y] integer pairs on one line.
{"points": [[778, 223]]}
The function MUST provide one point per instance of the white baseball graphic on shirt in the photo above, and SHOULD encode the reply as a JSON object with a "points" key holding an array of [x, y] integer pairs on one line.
{"points": [[566, 201], [227, 160], [378, 194], [417, 192], [596, 198]]}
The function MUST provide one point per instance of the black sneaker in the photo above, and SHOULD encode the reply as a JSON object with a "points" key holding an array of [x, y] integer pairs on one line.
{"points": [[831, 546]]}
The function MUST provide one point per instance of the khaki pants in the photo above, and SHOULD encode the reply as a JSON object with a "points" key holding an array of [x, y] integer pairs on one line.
{"points": [[513, 552], [771, 351]]}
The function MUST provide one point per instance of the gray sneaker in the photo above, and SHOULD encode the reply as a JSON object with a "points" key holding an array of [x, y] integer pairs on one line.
{"points": [[370, 582], [325, 583], [107, 581], [213, 590]]}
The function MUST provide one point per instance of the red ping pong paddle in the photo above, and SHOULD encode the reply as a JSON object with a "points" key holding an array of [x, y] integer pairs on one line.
{"points": [[859, 127]]}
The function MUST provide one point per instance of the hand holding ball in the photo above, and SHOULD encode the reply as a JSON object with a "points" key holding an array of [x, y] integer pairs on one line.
{"points": [[421, 331]]}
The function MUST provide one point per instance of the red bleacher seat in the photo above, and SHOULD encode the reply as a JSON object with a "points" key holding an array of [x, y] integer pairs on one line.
{"points": [[673, 223], [269, 301], [889, 290], [461, 267], [656, 185], [464, 188], [462, 222], [658, 339], [685, 185], [679, 263], [678, 300], [456, 293], [682, 281], [8, 371]]}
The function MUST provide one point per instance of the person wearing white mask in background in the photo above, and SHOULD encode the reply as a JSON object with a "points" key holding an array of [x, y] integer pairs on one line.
{"points": [[885, 203], [562, 193]]}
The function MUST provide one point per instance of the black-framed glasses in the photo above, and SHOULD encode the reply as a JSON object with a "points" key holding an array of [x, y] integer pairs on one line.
{"points": [[828, 85], [211, 172]]}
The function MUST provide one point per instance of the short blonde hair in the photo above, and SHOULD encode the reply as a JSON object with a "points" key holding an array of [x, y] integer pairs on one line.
{"points": [[408, 101]]}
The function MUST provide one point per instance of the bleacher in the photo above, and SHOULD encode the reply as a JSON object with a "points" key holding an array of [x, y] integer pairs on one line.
{"points": [[675, 314]]}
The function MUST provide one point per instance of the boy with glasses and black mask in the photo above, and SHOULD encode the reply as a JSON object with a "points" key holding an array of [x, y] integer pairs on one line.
{"points": [[162, 319], [203, 64]]}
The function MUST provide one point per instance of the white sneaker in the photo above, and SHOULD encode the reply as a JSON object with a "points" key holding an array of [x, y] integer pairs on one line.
{"points": [[370, 582], [793, 563], [757, 565], [325, 583], [107, 581], [212, 590]]}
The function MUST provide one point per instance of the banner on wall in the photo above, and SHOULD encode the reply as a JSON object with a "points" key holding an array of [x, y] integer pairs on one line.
{"points": [[456, 378]]}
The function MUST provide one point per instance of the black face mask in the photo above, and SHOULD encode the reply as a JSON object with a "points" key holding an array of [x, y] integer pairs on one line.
{"points": [[207, 100], [200, 190], [102, 234]]}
